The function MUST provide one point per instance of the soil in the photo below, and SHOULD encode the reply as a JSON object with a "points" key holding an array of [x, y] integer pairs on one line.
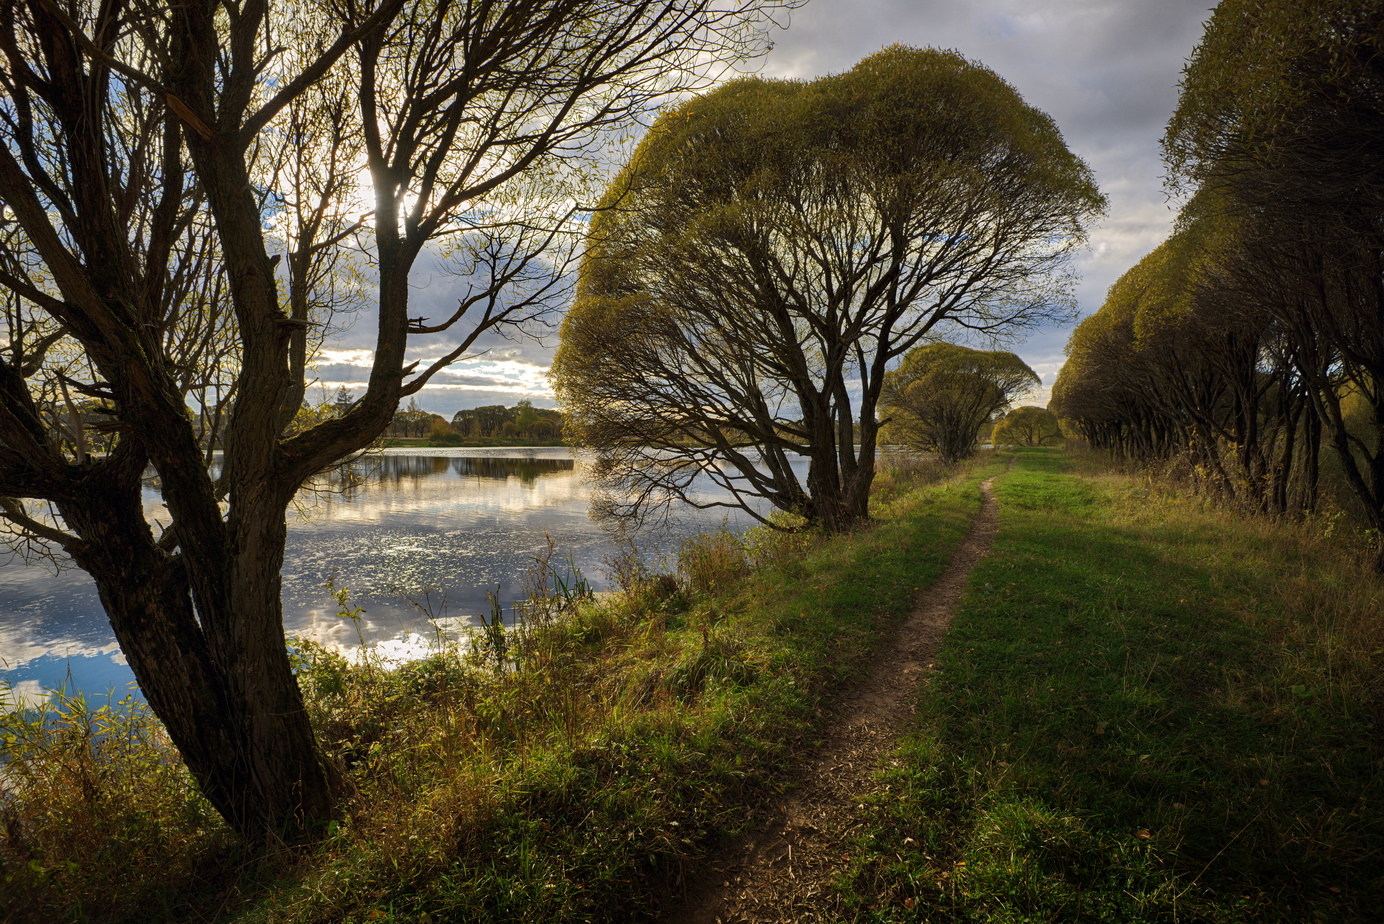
{"points": [[786, 870]]}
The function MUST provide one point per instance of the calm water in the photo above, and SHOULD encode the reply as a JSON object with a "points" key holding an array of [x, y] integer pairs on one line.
{"points": [[440, 528]]}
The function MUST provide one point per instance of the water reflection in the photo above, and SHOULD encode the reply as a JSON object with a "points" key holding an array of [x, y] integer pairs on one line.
{"points": [[416, 538]]}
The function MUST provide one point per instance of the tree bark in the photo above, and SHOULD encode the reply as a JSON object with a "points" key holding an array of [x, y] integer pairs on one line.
{"points": [[235, 714]]}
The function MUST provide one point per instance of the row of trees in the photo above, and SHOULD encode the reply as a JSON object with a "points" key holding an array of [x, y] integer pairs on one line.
{"points": [[493, 421], [1254, 337], [522, 420], [774, 248]]}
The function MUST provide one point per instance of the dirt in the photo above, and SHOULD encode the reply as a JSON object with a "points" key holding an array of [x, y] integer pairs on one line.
{"points": [[786, 870]]}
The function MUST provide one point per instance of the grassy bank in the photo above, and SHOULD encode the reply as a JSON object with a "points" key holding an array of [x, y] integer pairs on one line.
{"points": [[619, 743], [1147, 710]]}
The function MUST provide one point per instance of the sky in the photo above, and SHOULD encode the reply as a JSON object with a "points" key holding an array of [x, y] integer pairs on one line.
{"points": [[1105, 70]]}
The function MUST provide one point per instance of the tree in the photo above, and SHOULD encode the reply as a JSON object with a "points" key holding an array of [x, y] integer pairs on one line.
{"points": [[184, 206], [439, 428], [342, 401], [526, 415], [942, 394], [1028, 425], [412, 422], [774, 246], [1281, 117], [1183, 363]]}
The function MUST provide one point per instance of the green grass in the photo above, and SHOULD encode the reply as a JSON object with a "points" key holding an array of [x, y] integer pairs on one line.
{"points": [[584, 781], [1145, 711]]}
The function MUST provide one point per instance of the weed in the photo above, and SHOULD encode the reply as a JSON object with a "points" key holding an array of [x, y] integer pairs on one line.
{"points": [[491, 644], [98, 811], [713, 561], [550, 592]]}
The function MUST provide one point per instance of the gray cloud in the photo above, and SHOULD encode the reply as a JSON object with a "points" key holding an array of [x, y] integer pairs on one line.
{"points": [[1105, 70]]}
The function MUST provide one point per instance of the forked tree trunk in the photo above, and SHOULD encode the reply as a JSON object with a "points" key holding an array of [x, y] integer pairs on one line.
{"points": [[840, 501], [228, 699]]}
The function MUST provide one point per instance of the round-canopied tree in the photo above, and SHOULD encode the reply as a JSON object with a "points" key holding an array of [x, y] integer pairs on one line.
{"points": [[1028, 426], [943, 393], [774, 247]]}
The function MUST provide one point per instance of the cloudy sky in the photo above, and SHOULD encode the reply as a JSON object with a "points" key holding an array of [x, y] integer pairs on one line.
{"points": [[1105, 70]]}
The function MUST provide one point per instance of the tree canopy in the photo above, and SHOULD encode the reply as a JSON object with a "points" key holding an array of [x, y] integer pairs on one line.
{"points": [[1028, 426], [1286, 99], [943, 393], [773, 247], [1252, 337], [187, 196]]}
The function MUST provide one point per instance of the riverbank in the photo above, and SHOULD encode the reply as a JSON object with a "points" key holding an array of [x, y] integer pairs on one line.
{"points": [[1145, 710], [457, 441], [584, 781]]}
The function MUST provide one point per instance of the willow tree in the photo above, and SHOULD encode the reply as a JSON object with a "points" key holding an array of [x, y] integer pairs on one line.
{"points": [[774, 247], [1282, 117], [1029, 425], [1102, 388], [943, 393], [1183, 362], [186, 189]]}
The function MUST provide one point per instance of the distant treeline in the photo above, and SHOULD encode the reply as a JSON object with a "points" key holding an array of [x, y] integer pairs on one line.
{"points": [[523, 421]]}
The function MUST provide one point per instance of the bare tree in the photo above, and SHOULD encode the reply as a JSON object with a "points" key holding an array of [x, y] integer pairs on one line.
{"points": [[188, 190]]}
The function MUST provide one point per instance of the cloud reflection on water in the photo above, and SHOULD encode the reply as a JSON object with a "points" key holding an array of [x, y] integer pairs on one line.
{"points": [[441, 527]]}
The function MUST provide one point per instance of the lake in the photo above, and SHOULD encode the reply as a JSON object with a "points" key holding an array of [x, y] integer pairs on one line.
{"points": [[417, 543]]}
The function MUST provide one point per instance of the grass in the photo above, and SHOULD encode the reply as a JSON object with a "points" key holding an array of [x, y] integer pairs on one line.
{"points": [[1147, 710], [620, 741], [97, 813]]}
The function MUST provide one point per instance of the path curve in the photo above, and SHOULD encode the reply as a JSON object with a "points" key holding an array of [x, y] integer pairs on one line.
{"points": [[785, 872]]}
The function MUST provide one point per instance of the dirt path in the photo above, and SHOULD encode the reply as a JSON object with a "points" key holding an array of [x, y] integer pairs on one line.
{"points": [[784, 873]]}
